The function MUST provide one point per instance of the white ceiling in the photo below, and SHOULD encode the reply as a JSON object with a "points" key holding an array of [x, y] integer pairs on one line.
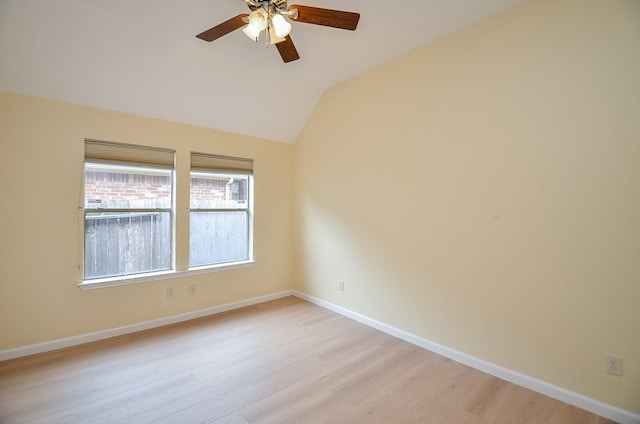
{"points": [[142, 56]]}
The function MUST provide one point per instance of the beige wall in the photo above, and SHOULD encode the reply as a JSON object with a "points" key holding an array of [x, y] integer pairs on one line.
{"points": [[41, 165], [483, 192]]}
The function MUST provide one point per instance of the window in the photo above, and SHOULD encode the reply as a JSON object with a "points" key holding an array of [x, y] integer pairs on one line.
{"points": [[128, 209], [130, 218], [220, 217]]}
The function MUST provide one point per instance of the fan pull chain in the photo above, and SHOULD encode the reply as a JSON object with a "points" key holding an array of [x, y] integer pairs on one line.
{"points": [[267, 33]]}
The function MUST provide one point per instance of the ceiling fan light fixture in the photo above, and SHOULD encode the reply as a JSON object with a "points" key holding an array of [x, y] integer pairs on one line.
{"points": [[281, 26], [274, 39], [252, 31], [258, 18]]}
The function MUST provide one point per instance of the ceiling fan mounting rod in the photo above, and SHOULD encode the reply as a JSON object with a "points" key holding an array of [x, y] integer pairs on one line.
{"points": [[253, 4], [279, 5], [272, 7]]}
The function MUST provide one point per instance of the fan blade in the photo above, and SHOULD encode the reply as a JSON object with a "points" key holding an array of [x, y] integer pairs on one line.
{"points": [[327, 17], [287, 50], [223, 29]]}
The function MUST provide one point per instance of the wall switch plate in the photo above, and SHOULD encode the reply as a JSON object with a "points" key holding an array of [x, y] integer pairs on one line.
{"points": [[613, 364], [171, 293], [340, 285], [192, 289]]}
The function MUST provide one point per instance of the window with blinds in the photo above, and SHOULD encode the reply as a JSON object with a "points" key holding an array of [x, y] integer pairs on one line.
{"points": [[128, 209], [220, 218], [130, 218]]}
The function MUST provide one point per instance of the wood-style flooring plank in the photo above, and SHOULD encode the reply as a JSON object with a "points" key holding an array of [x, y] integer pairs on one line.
{"points": [[284, 361]]}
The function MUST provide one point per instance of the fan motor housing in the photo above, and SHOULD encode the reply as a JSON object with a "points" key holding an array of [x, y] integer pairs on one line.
{"points": [[280, 5]]}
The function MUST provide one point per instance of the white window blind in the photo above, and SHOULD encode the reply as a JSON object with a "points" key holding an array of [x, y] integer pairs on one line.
{"points": [[218, 163], [97, 151]]}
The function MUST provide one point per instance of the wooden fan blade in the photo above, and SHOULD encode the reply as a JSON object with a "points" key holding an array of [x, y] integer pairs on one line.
{"points": [[327, 17], [287, 50], [223, 29]]}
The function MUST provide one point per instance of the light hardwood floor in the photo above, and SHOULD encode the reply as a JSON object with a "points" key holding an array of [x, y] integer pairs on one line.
{"points": [[285, 361]]}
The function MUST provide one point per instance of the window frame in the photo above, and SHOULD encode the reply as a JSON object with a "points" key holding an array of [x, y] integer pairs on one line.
{"points": [[213, 164], [132, 212], [248, 210], [176, 271]]}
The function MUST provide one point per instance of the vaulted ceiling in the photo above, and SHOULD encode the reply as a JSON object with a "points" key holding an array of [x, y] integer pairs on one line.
{"points": [[142, 56]]}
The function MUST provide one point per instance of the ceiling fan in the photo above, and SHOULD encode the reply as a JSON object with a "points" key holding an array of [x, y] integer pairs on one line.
{"points": [[271, 16]]}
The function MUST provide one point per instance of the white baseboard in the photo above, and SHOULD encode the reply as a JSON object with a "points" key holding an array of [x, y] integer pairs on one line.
{"points": [[128, 329], [608, 411]]}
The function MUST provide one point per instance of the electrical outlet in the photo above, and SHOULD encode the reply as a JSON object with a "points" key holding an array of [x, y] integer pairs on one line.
{"points": [[613, 364], [340, 285], [171, 293], [192, 289]]}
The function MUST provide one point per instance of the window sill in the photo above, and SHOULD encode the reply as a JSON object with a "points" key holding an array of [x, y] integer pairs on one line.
{"points": [[100, 283]]}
